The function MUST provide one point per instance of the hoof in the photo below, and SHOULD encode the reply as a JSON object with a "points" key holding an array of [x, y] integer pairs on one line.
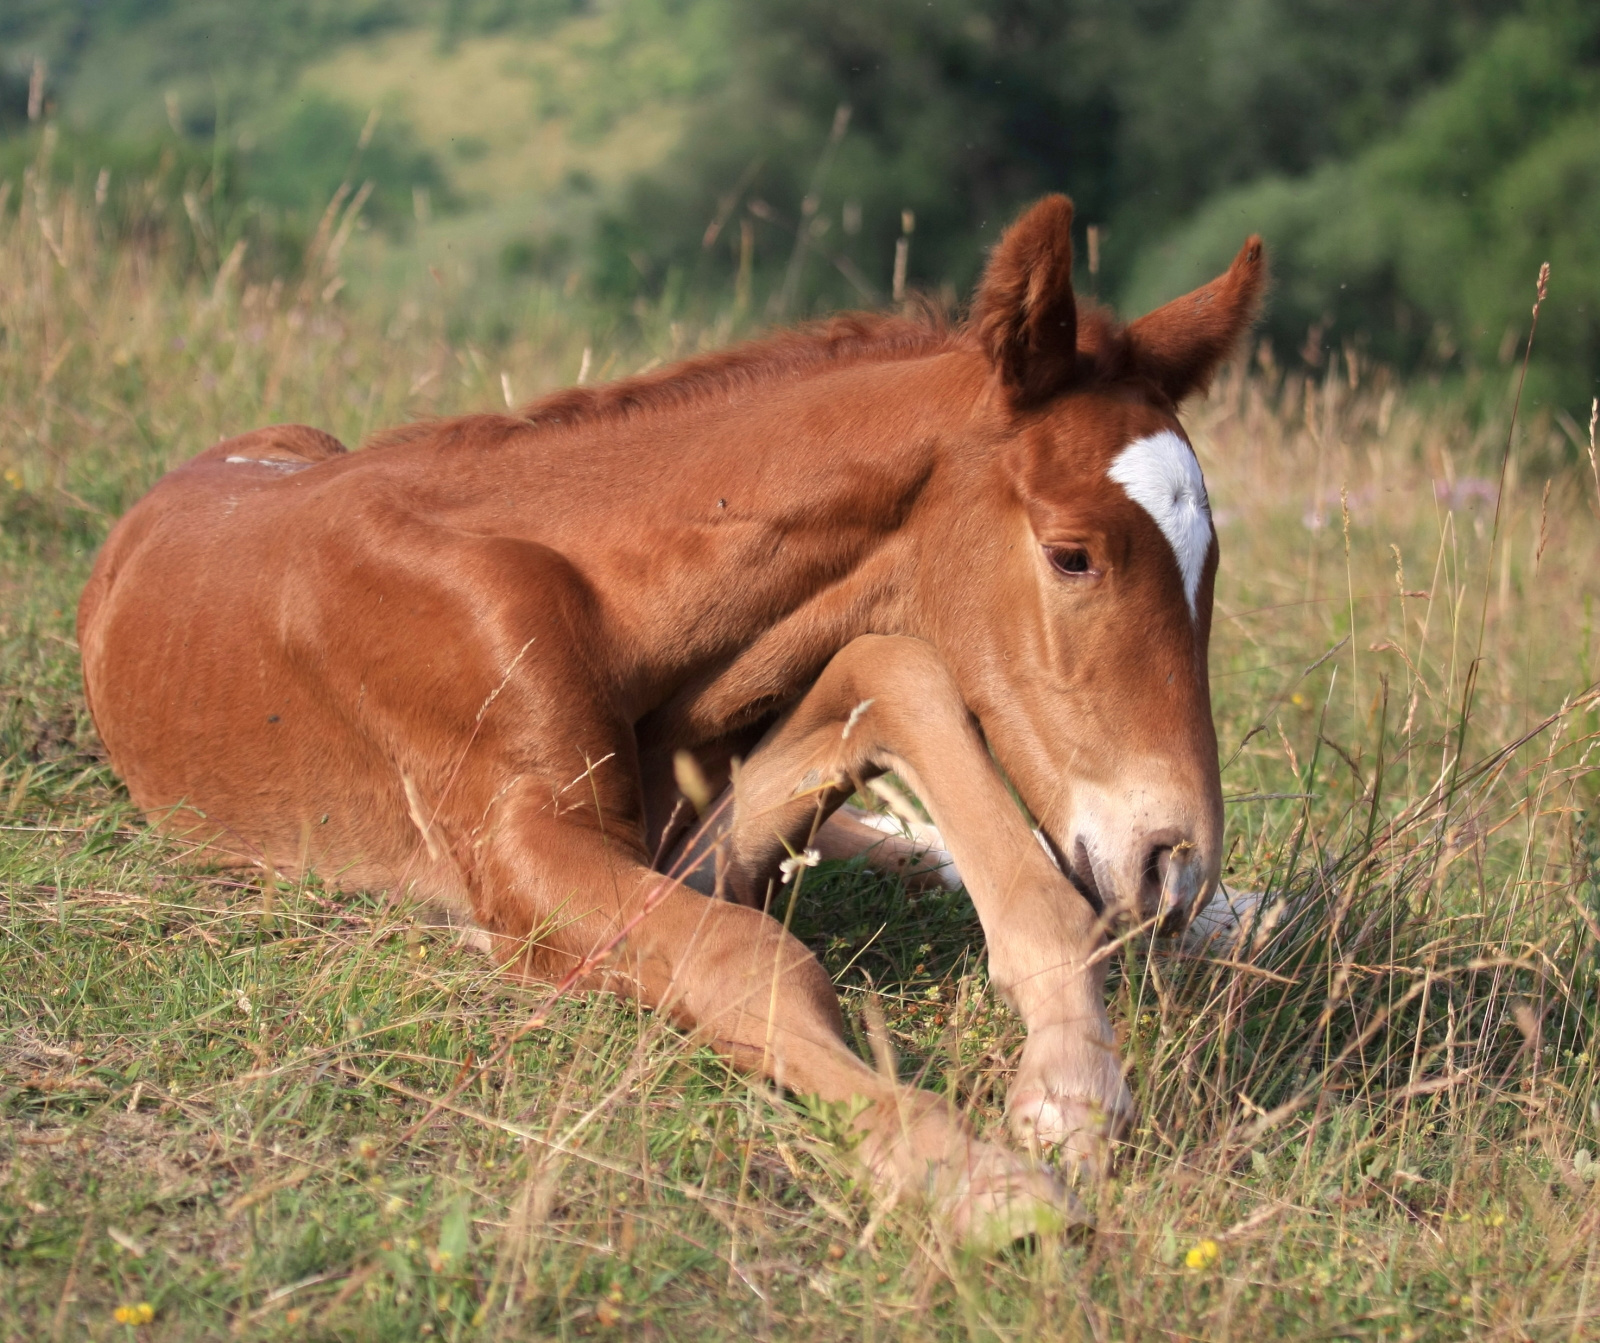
{"points": [[982, 1194], [1076, 1131], [1069, 1098], [1006, 1200]]}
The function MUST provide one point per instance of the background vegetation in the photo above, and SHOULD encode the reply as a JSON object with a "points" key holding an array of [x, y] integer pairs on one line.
{"points": [[234, 1105], [1410, 161]]}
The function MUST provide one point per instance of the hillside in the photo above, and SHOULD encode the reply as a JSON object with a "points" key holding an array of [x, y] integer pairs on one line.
{"points": [[492, 137], [1410, 161]]}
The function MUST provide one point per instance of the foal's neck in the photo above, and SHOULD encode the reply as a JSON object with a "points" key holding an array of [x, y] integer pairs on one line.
{"points": [[741, 542]]}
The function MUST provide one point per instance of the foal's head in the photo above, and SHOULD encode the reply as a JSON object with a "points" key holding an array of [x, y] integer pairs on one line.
{"points": [[1082, 645]]}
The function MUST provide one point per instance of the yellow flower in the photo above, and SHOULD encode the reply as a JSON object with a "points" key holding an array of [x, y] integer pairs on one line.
{"points": [[141, 1313], [1203, 1255]]}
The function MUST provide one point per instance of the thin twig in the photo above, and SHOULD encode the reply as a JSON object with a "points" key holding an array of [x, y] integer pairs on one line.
{"points": [[58, 1331], [1471, 687]]}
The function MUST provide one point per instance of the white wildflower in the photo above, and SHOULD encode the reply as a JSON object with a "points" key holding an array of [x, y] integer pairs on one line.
{"points": [[790, 868]]}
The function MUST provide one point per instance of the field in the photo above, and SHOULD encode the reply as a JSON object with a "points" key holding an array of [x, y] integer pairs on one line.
{"points": [[233, 1106]]}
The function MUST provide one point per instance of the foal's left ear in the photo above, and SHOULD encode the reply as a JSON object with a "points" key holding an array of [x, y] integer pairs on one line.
{"points": [[1179, 345], [1024, 314]]}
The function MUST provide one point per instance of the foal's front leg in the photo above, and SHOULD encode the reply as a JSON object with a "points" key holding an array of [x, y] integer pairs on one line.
{"points": [[887, 703], [560, 894]]}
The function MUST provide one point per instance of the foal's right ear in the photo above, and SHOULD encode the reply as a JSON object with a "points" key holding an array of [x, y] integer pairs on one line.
{"points": [[1179, 345], [1024, 315]]}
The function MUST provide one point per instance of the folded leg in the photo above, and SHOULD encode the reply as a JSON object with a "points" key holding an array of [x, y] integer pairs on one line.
{"points": [[557, 893], [888, 704]]}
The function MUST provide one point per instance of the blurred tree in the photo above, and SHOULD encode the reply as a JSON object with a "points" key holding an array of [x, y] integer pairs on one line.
{"points": [[1410, 161], [1426, 243], [961, 112], [316, 144], [150, 89]]}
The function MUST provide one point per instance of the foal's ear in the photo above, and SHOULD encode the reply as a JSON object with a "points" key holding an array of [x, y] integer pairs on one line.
{"points": [[1024, 314], [1179, 345]]}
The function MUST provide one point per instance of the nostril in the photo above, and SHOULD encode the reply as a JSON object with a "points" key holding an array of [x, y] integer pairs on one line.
{"points": [[1170, 879], [1157, 869]]}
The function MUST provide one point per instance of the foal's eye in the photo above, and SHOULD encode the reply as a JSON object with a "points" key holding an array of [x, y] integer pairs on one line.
{"points": [[1070, 560]]}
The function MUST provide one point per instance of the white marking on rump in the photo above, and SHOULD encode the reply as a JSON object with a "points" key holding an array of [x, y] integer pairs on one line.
{"points": [[276, 463], [1161, 475]]}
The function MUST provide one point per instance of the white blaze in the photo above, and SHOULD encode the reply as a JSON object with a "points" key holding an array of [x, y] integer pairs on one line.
{"points": [[1161, 475]]}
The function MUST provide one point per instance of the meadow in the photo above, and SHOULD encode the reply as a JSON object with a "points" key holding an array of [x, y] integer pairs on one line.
{"points": [[234, 1106]]}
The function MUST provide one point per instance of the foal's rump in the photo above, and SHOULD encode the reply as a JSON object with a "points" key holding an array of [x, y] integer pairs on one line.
{"points": [[185, 496], [188, 632]]}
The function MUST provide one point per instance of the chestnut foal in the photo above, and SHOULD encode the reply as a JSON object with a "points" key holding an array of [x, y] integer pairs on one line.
{"points": [[463, 661]]}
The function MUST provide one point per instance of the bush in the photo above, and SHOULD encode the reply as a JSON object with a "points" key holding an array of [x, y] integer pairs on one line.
{"points": [[1429, 242]]}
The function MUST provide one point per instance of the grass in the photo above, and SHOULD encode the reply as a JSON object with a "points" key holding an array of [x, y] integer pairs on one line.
{"points": [[1378, 1118]]}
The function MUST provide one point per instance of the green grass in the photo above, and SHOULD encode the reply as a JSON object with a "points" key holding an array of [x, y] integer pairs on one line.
{"points": [[231, 1099]]}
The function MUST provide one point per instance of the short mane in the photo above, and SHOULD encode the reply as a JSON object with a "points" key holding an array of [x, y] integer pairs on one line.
{"points": [[849, 338]]}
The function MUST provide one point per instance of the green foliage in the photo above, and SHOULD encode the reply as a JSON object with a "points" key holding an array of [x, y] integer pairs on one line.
{"points": [[1428, 243], [296, 166], [194, 202], [115, 63], [159, 193], [1410, 162], [962, 113]]}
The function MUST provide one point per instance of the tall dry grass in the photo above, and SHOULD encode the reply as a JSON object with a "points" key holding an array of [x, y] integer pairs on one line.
{"points": [[1372, 1112]]}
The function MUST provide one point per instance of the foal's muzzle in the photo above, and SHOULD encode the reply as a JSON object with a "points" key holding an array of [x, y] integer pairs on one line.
{"points": [[1159, 879]]}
